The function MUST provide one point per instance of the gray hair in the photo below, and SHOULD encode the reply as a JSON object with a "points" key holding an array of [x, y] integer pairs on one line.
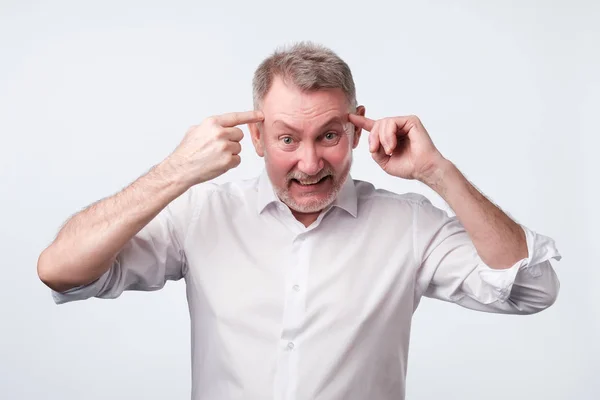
{"points": [[306, 65]]}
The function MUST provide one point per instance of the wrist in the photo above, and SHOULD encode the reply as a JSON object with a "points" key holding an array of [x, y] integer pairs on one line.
{"points": [[169, 172], [435, 173]]}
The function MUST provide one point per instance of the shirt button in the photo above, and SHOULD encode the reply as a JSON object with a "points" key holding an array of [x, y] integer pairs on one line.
{"points": [[296, 288], [290, 345]]}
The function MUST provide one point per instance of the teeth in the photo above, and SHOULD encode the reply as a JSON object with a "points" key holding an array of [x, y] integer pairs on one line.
{"points": [[309, 183]]}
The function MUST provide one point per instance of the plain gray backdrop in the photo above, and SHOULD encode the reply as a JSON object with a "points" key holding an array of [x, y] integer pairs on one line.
{"points": [[92, 94]]}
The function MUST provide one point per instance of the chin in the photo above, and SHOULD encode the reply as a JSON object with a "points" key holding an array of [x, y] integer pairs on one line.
{"points": [[311, 200], [309, 206]]}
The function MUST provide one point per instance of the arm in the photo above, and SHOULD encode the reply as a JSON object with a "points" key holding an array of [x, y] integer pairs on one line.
{"points": [[450, 267], [480, 259], [93, 240], [500, 242], [87, 245]]}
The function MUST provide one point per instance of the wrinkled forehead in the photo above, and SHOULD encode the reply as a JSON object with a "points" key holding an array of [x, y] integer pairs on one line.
{"points": [[308, 125], [287, 107]]}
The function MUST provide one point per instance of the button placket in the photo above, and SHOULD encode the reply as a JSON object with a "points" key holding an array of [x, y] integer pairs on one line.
{"points": [[293, 317], [294, 302]]}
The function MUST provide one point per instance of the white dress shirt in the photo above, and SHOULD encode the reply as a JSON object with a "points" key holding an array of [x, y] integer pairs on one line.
{"points": [[281, 311]]}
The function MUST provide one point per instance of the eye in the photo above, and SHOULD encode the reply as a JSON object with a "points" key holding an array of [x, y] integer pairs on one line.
{"points": [[287, 140], [330, 135]]}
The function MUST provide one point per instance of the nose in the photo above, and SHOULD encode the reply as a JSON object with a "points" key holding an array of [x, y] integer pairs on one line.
{"points": [[310, 161]]}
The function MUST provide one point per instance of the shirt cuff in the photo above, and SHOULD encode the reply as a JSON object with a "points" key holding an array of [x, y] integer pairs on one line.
{"points": [[80, 292], [540, 249]]}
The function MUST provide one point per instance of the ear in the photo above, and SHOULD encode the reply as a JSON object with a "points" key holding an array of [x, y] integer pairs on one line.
{"points": [[255, 133], [360, 110]]}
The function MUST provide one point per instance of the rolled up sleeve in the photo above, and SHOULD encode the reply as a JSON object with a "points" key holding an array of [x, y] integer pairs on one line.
{"points": [[147, 261], [451, 269]]}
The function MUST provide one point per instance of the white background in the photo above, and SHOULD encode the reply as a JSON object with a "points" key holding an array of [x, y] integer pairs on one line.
{"points": [[92, 94]]}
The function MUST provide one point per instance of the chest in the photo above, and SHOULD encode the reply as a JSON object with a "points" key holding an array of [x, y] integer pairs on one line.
{"points": [[265, 276]]}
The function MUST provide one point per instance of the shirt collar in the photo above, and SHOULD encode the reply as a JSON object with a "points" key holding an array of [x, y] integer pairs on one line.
{"points": [[346, 199]]}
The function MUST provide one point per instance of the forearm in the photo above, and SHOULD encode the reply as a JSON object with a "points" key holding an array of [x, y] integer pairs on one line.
{"points": [[88, 243], [500, 242]]}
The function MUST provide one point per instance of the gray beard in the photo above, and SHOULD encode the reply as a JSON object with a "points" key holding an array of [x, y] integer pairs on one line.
{"points": [[314, 206]]}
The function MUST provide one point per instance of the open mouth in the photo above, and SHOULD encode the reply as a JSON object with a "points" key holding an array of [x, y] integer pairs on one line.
{"points": [[310, 183]]}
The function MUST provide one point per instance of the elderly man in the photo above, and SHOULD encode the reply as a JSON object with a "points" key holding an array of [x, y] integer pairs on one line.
{"points": [[302, 282]]}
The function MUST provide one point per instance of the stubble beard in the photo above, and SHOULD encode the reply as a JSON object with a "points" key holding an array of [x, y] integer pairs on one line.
{"points": [[313, 206]]}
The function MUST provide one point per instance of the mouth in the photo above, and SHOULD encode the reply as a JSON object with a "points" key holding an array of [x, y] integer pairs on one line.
{"points": [[310, 183]]}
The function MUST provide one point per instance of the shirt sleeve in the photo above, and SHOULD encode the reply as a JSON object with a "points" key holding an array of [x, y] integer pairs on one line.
{"points": [[451, 269], [151, 258]]}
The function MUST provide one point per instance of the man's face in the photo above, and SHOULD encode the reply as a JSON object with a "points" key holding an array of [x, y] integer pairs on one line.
{"points": [[307, 144]]}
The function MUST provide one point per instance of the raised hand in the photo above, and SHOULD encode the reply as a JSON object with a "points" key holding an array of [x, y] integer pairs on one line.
{"points": [[400, 145], [211, 148]]}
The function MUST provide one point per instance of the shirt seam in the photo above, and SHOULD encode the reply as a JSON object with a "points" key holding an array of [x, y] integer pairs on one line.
{"points": [[210, 190], [392, 196], [414, 233]]}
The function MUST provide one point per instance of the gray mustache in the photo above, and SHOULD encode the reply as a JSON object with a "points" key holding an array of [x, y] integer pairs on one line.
{"points": [[299, 176]]}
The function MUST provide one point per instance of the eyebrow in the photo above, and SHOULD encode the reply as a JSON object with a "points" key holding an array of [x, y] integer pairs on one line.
{"points": [[329, 122]]}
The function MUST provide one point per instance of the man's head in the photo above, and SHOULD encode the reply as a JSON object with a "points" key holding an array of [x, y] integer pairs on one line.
{"points": [[305, 93]]}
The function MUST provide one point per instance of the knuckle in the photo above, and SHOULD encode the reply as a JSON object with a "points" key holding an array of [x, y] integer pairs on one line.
{"points": [[212, 120], [376, 126], [223, 166], [228, 162], [219, 132], [221, 145]]}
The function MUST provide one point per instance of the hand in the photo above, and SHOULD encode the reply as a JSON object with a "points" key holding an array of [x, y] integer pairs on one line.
{"points": [[212, 148], [401, 146]]}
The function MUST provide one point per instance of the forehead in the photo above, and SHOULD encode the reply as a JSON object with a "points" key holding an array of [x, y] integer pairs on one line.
{"points": [[285, 104]]}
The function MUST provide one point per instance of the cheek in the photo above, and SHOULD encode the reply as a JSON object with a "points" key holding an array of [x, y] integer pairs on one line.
{"points": [[338, 157], [279, 162]]}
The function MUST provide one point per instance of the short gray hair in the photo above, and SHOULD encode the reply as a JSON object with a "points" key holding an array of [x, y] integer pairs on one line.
{"points": [[306, 65]]}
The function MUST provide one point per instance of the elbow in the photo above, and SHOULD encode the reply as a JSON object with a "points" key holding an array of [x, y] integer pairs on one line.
{"points": [[50, 272], [62, 273], [549, 296], [542, 299], [545, 301]]}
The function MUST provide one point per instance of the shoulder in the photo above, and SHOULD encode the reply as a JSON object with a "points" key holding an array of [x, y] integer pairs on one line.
{"points": [[235, 188], [210, 199], [387, 206], [376, 202], [228, 192], [367, 193]]}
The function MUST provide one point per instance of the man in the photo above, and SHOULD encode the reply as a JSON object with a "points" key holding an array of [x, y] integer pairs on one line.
{"points": [[302, 283]]}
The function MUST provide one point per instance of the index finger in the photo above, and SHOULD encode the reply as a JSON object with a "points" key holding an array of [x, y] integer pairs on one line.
{"points": [[361, 122], [230, 120]]}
